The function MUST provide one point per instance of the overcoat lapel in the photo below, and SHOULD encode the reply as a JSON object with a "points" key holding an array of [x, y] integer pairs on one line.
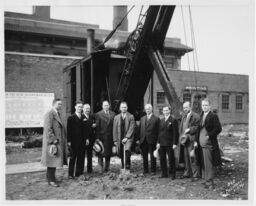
{"points": [[56, 116]]}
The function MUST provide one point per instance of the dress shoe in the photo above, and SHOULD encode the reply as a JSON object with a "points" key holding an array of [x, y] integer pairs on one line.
{"points": [[210, 187], [153, 173], [183, 177], [53, 184], [71, 177], [163, 176], [194, 179]]}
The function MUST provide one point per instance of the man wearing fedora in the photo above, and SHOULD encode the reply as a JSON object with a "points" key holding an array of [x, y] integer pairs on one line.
{"points": [[209, 127], [148, 128], [188, 128], [54, 134], [77, 141], [104, 133], [123, 134], [167, 141], [89, 125]]}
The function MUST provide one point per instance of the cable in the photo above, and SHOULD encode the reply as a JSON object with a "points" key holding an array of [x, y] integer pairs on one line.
{"points": [[185, 35], [114, 30]]}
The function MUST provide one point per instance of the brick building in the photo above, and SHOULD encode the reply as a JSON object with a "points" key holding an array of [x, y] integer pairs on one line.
{"points": [[37, 48]]}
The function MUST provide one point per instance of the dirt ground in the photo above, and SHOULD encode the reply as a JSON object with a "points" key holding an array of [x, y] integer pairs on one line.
{"points": [[231, 181]]}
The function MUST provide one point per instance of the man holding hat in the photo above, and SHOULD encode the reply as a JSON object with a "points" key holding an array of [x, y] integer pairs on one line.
{"points": [[188, 128], [89, 125], [104, 133], [54, 149]]}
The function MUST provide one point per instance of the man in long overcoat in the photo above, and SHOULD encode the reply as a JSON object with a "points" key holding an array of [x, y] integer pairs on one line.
{"points": [[149, 125], [123, 134], [189, 126], [167, 141], [210, 127], [77, 141], [54, 133], [104, 132]]}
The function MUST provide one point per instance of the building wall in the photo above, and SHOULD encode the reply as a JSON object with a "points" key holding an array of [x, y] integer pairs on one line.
{"points": [[25, 73], [216, 84]]}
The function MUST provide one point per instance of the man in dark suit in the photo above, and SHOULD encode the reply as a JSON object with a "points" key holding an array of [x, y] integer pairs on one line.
{"points": [[104, 132], [167, 141], [148, 128], [210, 127], [188, 127], [123, 134], [89, 125], [76, 140]]}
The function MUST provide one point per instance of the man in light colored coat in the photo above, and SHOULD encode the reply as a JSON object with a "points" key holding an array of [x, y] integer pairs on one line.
{"points": [[54, 133], [123, 134]]}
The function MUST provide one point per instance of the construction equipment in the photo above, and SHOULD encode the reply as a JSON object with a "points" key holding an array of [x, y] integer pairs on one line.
{"points": [[103, 75]]}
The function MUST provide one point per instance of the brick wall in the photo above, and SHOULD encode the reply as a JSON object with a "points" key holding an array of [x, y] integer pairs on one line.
{"points": [[34, 74], [216, 84]]}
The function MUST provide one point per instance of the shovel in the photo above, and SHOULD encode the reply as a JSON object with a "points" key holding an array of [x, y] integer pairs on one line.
{"points": [[124, 171]]}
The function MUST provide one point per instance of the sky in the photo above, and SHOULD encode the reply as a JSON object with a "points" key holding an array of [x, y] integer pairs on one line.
{"points": [[224, 40]]}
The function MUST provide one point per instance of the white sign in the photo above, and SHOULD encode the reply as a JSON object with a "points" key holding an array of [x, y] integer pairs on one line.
{"points": [[24, 110]]}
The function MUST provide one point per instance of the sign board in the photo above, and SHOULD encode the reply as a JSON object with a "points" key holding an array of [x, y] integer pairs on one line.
{"points": [[25, 110], [199, 88]]}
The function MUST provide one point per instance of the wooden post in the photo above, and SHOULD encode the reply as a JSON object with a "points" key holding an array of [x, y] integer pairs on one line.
{"points": [[78, 82], [90, 45], [152, 90]]}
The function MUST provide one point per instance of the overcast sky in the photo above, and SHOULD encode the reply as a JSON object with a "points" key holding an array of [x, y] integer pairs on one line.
{"points": [[223, 32]]}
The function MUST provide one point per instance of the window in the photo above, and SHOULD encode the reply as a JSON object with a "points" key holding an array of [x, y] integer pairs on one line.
{"points": [[225, 101], [160, 98], [186, 97], [169, 62], [239, 102]]}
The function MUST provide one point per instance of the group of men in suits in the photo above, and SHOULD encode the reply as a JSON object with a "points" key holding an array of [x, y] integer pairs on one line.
{"points": [[196, 135]]}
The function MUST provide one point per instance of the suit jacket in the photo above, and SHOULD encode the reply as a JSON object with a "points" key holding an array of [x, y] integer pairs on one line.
{"points": [[75, 131], [168, 132], [213, 128], [88, 131], [129, 129], [54, 130], [149, 129], [193, 125], [104, 130]]}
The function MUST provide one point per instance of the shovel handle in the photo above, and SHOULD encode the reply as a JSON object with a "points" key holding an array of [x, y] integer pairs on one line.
{"points": [[124, 156]]}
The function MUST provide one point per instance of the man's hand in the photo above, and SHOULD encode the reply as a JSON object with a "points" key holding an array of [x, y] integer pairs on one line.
{"points": [[87, 142], [158, 146], [69, 144], [187, 130], [137, 142], [195, 144], [174, 146], [93, 125], [56, 141], [124, 140]]}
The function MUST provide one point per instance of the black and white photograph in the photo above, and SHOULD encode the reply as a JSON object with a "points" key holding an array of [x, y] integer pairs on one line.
{"points": [[128, 101]]}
